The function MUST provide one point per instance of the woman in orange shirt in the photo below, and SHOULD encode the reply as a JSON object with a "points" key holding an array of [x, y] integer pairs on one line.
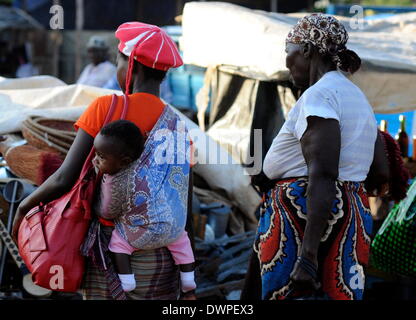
{"points": [[145, 54]]}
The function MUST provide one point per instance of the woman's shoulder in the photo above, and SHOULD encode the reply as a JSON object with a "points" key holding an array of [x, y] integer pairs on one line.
{"points": [[92, 118], [100, 105], [102, 101], [146, 97]]}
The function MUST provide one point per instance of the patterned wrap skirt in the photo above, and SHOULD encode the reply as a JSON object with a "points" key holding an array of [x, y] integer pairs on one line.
{"points": [[157, 276], [344, 248]]}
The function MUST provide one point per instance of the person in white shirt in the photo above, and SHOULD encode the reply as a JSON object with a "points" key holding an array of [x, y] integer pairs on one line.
{"points": [[313, 235], [100, 70], [25, 68]]}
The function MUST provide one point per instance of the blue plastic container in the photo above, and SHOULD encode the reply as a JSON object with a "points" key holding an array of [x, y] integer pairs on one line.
{"points": [[180, 85]]}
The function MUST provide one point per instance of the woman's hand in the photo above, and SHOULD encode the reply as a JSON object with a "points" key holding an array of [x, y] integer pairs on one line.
{"points": [[302, 280]]}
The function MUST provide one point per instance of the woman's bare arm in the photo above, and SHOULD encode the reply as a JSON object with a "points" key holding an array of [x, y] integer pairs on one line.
{"points": [[61, 181], [321, 145]]}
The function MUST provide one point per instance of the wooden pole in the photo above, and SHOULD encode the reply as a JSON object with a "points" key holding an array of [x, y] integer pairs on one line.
{"points": [[274, 5], [310, 5], [24, 5], [79, 25], [179, 7], [56, 44]]}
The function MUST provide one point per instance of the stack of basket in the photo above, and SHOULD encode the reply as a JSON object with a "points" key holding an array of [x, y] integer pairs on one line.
{"points": [[49, 134]]}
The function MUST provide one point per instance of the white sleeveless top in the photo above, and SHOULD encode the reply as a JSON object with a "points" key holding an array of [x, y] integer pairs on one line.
{"points": [[332, 97]]}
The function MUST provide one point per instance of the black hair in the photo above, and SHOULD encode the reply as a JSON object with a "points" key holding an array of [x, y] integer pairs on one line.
{"points": [[153, 74], [130, 140], [350, 61], [149, 73]]}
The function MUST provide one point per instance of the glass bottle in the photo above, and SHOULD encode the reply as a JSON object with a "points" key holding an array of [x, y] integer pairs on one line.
{"points": [[402, 137], [383, 125]]}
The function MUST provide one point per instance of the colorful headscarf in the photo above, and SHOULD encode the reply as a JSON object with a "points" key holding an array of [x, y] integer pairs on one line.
{"points": [[149, 45], [325, 32]]}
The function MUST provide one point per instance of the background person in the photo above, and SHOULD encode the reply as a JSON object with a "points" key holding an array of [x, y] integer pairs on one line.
{"points": [[100, 70]]}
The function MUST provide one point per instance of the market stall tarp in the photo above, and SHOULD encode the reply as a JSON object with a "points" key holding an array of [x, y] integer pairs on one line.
{"points": [[245, 114], [14, 18], [43, 96], [216, 33], [228, 181], [35, 82]]}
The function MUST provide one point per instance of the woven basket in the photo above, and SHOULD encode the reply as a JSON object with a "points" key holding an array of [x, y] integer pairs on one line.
{"points": [[49, 134], [50, 137], [60, 125], [55, 127]]}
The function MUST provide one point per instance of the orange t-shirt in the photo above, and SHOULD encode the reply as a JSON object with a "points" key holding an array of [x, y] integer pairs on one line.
{"points": [[144, 111]]}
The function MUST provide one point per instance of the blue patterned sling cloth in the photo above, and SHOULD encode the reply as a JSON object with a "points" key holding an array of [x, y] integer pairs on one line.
{"points": [[153, 192]]}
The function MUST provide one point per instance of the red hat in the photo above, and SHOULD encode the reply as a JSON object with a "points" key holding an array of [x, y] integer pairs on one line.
{"points": [[150, 46]]}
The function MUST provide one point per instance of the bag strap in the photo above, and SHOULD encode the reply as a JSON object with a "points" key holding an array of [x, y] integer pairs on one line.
{"points": [[111, 109], [110, 113], [405, 204], [125, 107]]}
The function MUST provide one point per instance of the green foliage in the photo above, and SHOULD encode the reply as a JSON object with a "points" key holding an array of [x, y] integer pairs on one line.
{"points": [[377, 2], [388, 2]]}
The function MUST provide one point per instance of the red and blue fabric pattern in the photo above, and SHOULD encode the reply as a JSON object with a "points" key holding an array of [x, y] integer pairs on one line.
{"points": [[344, 248]]}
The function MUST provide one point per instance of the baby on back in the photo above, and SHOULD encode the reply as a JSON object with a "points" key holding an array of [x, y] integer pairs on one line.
{"points": [[117, 146]]}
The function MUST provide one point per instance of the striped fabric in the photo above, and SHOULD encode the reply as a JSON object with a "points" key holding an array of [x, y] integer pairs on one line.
{"points": [[157, 276], [150, 45]]}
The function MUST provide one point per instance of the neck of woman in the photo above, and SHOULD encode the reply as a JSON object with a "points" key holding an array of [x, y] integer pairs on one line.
{"points": [[151, 87], [318, 69]]}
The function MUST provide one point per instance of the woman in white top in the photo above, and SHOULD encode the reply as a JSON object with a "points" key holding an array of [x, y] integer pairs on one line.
{"points": [[313, 234]]}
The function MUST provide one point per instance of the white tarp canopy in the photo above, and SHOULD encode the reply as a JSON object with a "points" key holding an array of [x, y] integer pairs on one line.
{"points": [[43, 96], [217, 33]]}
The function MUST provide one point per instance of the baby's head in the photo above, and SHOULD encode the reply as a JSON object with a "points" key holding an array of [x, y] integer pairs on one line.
{"points": [[117, 145]]}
